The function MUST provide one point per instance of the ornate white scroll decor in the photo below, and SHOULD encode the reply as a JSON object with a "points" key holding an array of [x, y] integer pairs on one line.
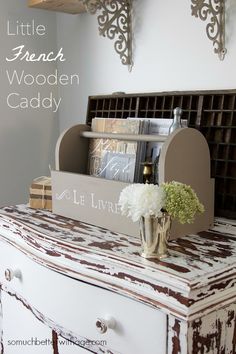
{"points": [[212, 11], [114, 21]]}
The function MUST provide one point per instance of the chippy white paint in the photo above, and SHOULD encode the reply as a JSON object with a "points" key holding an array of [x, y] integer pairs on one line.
{"points": [[192, 293]]}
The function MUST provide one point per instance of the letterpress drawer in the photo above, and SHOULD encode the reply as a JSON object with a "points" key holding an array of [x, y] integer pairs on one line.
{"points": [[81, 308]]}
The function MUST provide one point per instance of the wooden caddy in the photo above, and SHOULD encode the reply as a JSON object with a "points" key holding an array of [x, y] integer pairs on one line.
{"points": [[184, 157]]}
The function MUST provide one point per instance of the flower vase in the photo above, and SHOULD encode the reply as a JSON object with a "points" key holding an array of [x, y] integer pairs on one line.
{"points": [[154, 232]]}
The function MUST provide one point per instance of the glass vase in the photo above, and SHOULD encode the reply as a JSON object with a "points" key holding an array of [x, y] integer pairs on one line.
{"points": [[154, 232], [176, 123]]}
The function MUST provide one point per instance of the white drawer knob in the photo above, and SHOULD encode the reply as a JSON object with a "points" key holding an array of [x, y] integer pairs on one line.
{"points": [[103, 324], [10, 274]]}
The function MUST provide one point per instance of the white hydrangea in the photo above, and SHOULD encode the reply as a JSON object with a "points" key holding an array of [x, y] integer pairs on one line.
{"points": [[138, 200]]}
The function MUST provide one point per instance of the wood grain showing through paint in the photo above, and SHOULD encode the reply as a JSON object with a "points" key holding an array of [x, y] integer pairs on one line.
{"points": [[201, 268], [195, 287]]}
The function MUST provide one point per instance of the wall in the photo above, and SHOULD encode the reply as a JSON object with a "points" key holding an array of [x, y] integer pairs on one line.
{"points": [[27, 136], [172, 52]]}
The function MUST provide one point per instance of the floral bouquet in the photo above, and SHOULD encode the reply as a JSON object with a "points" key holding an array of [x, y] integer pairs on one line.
{"points": [[177, 199], [155, 206]]}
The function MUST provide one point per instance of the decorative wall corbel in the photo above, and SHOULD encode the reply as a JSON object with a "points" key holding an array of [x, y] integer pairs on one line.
{"points": [[114, 20], [214, 10]]}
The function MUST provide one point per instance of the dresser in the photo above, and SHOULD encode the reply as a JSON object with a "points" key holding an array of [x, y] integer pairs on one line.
{"points": [[67, 287]]}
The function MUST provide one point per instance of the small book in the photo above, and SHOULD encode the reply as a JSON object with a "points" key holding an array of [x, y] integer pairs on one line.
{"points": [[141, 149], [150, 151], [157, 126], [111, 158]]}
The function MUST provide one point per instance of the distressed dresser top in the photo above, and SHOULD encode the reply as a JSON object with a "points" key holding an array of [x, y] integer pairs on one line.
{"points": [[199, 275]]}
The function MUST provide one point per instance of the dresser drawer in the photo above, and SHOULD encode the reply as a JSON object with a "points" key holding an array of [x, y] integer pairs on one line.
{"points": [[75, 306]]}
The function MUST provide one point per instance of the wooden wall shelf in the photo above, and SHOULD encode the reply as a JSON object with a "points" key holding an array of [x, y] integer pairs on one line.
{"points": [[68, 6], [211, 112]]}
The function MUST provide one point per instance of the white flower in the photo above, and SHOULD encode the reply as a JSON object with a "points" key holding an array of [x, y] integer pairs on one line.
{"points": [[138, 200]]}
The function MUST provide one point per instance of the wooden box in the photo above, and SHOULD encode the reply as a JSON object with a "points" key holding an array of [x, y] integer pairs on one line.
{"points": [[184, 157], [68, 6]]}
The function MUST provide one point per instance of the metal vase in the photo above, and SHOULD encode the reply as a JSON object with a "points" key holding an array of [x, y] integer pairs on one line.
{"points": [[154, 232]]}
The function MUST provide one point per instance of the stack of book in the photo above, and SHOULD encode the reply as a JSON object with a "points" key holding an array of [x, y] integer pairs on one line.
{"points": [[41, 193]]}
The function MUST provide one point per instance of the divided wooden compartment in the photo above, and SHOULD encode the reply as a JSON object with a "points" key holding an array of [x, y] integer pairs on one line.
{"points": [[213, 113], [184, 157]]}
